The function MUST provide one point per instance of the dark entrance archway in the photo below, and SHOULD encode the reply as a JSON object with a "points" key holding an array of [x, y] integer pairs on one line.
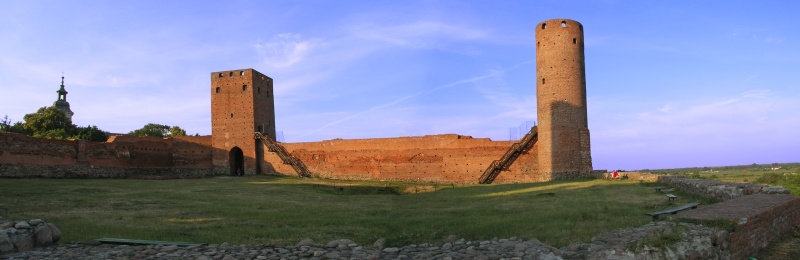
{"points": [[236, 161]]}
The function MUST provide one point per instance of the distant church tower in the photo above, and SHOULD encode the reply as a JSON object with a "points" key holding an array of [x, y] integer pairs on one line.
{"points": [[564, 147], [61, 103], [241, 104]]}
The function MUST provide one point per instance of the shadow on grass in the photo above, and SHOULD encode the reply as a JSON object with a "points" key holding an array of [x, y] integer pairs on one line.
{"points": [[274, 209]]}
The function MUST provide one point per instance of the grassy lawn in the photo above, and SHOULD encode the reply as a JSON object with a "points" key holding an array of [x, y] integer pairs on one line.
{"points": [[264, 209], [789, 178], [737, 175]]}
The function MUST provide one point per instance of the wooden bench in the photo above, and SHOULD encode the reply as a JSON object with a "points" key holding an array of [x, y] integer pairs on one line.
{"points": [[658, 188], [671, 197], [134, 242], [672, 211]]}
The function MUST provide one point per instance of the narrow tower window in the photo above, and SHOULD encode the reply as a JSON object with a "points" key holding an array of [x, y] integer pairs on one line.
{"points": [[241, 73], [219, 75], [542, 81], [217, 90], [230, 73], [231, 115], [259, 90], [574, 41], [544, 26], [563, 24], [244, 87]]}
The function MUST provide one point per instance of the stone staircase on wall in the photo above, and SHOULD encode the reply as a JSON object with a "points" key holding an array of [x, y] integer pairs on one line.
{"points": [[285, 156], [511, 154]]}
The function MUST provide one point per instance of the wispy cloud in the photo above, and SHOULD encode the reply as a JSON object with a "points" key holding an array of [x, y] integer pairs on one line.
{"points": [[398, 101], [285, 50], [687, 130]]}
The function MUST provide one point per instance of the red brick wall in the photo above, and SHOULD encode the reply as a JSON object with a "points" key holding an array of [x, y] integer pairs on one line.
{"points": [[762, 229], [438, 158], [21, 149], [187, 152]]}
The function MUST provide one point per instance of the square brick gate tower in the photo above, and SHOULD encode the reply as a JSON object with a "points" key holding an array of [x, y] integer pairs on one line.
{"points": [[242, 103]]}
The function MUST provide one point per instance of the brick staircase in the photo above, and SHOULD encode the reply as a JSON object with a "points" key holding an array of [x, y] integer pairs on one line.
{"points": [[285, 156], [511, 154]]}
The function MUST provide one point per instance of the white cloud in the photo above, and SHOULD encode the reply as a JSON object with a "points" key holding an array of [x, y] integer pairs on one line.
{"points": [[286, 50]]}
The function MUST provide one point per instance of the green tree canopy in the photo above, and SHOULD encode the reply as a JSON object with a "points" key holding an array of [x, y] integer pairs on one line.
{"points": [[155, 130], [91, 133], [177, 131], [158, 130], [48, 122], [5, 125]]}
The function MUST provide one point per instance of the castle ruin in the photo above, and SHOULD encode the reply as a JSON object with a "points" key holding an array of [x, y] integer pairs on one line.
{"points": [[243, 138]]}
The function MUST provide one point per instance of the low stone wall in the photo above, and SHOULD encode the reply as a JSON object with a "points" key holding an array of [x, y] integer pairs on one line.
{"points": [[716, 189], [657, 240], [660, 240], [755, 221], [86, 171], [16, 236]]}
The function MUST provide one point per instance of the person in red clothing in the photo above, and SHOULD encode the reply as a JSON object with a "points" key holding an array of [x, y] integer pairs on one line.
{"points": [[615, 174]]}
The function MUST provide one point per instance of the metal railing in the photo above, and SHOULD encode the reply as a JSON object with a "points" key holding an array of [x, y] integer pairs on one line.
{"points": [[513, 152], [285, 156]]}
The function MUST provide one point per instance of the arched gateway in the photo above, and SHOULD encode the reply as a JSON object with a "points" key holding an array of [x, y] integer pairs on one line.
{"points": [[236, 161]]}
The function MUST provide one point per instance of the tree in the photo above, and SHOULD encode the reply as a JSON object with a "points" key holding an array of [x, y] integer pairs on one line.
{"points": [[157, 130], [48, 122], [177, 131], [91, 133], [151, 129], [51, 122], [5, 125]]}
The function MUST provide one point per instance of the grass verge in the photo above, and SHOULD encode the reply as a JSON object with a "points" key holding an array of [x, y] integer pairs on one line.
{"points": [[284, 210]]}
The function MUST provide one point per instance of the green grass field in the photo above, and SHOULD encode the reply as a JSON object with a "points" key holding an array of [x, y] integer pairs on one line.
{"points": [[284, 210], [784, 174]]}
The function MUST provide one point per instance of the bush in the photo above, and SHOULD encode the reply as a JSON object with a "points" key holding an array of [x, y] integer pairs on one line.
{"points": [[788, 181]]}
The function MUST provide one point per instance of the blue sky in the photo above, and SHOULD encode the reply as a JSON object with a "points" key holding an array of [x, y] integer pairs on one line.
{"points": [[669, 83]]}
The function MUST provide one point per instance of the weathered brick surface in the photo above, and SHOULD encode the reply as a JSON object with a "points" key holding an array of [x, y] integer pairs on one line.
{"points": [[119, 157], [564, 146], [241, 103], [762, 219], [439, 158]]}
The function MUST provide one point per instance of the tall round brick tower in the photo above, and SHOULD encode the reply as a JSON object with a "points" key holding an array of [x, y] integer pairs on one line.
{"points": [[563, 144]]}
